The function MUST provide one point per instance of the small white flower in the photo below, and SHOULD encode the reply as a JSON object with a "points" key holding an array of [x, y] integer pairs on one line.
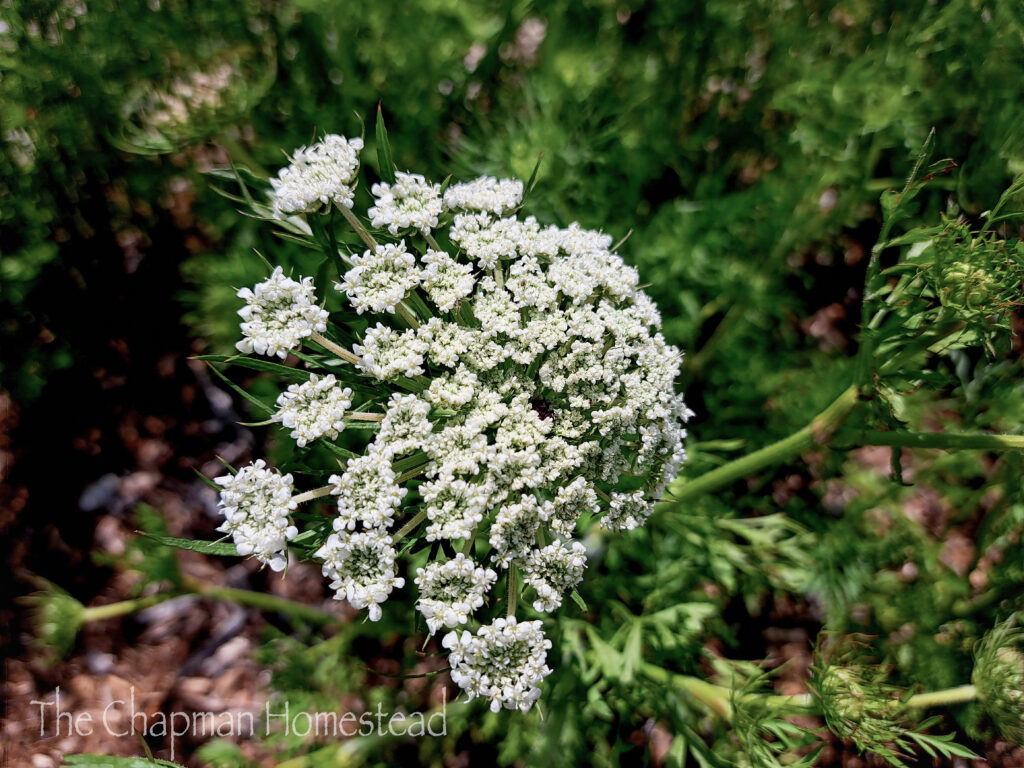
{"points": [[627, 511], [445, 280], [553, 571], [514, 531], [405, 427], [256, 504], [489, 240], [451, 591], [410, 202], [278, 314], [454, 507], [314, 409], [367, 492], [570, 502], [387, 354], [378, 281], [485, 194], [453, 390], [503, 663], [319, 175], [361, 567]]}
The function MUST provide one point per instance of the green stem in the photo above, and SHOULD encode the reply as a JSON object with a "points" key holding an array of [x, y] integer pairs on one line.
{"points": [[432, 242], [316, 493], [365, 416], [123, 608], [513, 590], [246, 597], [333, 348], [817, 432], [409, 527], [357, 225], [945, 440], [263, 601], [959, 695], [718, 698]]}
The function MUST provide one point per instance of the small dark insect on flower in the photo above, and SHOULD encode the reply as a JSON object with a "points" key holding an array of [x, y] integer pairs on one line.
{"points": [[542, 407]]}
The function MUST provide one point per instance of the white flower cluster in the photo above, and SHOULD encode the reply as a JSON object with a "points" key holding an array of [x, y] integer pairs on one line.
{"points": [[485, 194], [380, 279], [278, 314], [256, 503], [361, 567], [520, 388], [408, 203], [314, 409], [451, 591], [503, 663], [319, 175]]}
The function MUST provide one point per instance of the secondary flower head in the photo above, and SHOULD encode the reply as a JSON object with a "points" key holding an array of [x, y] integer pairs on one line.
{"points": [[256, 504], [411, 202], [486, 194], [319, 175], [451, 591], [314, 409], [504, 662], [553, 571], [278, 314], [361, 567], [381, 278]]}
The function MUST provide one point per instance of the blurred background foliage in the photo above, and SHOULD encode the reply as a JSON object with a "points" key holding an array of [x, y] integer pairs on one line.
{"points": [[745, 145]]}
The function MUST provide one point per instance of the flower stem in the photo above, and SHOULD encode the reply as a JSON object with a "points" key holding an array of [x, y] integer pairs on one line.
{"points": [[125, 607], [513, 590], [432, 242], [261, 600], [946, 440], [333, 348], [357, 225], [316, 493], [818, 432], [365, 416], [407, 314], [958, 695], [409, 527]]}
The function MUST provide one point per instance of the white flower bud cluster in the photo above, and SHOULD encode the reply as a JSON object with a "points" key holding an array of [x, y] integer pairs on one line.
{"points": [[503, 663], [553, 571], [314, 409], [256, 503], [278, 314], [379, 280], [518, 383], [485, 194], [319, 175], [408, 203], [451, 591], [361, 567]]}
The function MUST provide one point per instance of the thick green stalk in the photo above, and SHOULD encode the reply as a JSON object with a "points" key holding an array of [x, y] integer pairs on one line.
{"points": [[818, 432], [946, 440]]}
